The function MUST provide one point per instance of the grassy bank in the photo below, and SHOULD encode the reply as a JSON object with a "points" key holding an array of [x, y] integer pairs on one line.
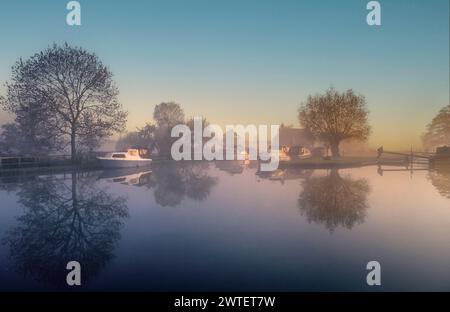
{"points": [[60, 168], [48, 169], [314, 162]]}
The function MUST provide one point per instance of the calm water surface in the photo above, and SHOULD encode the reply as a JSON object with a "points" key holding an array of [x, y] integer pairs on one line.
{"points": [[224, 226]]}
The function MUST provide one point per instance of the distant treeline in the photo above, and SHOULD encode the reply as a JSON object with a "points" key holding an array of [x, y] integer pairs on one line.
{"points": [[64, 99]]}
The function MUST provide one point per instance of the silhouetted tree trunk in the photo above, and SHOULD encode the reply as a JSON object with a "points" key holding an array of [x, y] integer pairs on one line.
{"points": [[74, 189], [73, 146], [335, 148], [166, 115]]}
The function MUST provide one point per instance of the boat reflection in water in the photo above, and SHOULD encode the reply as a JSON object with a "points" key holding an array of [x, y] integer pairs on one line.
{"points": [[127, 176], [75, 216], [170, 181], [232, 166], [285, 174]]}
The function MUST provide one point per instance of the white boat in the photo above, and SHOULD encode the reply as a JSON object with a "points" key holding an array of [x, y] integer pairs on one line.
{"points": [[304, 153], [294, 152], [132, 158]]}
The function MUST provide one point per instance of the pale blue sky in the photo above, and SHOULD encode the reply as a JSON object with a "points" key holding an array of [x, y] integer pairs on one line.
{"points": [[253, 61]]}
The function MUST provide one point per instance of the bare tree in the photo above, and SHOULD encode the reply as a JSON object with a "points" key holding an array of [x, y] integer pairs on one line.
{"points": [[10, 141], [190, 123], [32, 131], [74, 87], [166, 115], [142, 137], [333, 117], [438, 131]]}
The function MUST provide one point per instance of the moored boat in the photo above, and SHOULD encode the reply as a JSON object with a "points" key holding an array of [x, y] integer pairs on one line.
{"points": [[132, 158], [294, 152]]}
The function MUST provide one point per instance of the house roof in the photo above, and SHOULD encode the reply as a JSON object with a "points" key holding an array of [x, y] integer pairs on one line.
{"points": [[294, 136]]}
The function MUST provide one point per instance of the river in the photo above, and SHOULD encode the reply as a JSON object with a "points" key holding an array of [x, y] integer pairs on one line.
{"points": [[226, 226]]}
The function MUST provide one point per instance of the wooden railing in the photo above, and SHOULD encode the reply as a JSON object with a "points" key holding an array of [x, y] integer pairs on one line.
{"points": [[12, 162]]}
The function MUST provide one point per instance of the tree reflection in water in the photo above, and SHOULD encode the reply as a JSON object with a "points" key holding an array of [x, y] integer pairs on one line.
{"points": [[172, 182], [64, 220], [334, 200], [440, 178]]}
